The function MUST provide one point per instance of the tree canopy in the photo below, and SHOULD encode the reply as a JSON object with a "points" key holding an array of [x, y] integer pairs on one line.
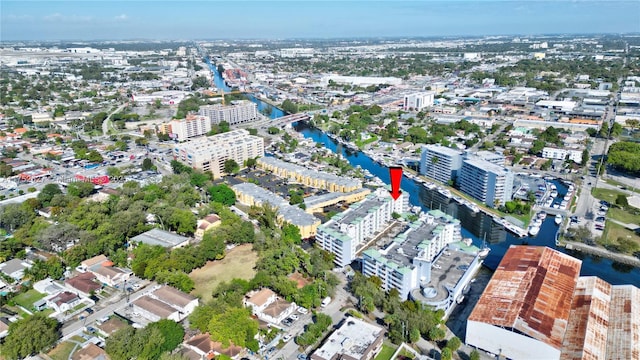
{"points": [[29, 336]]}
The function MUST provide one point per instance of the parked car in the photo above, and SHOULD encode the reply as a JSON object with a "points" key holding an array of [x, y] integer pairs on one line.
{"points": [[287, 337], [293, 317], [302, 310]]}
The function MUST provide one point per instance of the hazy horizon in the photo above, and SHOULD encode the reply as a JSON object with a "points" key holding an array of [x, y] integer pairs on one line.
{"points": [[95, 20]]}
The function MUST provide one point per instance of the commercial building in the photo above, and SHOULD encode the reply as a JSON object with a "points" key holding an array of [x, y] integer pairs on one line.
{"points": [[354, 339], [160, 237], [537, 307], [561, 154], [440, 163], [418, 101], [296, 52], [191, 126], [251, 194], [209, 153], [238, 112], [308, 177], [346, 233], [407, 259], [485, 181]]}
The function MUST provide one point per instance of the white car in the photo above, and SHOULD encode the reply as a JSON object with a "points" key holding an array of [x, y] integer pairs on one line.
{"points": [[287, 338], [302, 310], [293, 317]]}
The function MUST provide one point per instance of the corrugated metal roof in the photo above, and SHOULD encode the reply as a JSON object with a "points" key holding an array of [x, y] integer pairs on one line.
{"points": [[586, 335], [531, 293], [623, 337]]}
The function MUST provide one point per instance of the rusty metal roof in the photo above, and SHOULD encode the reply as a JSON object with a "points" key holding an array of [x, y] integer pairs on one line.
{"points": [[623, 337], [586, 335], [530, 293]]}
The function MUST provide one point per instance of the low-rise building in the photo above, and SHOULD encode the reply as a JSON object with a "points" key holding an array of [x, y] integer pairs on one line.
{"points": [[209, 222], [165, 302], [155, 310], [162, 238], [267, 306], [208, 349], [308, 177], [251, 194], [90, 351], [15, 268], [562, 154], [182, 301], [354, 339], [63, 301], [83, 284]]}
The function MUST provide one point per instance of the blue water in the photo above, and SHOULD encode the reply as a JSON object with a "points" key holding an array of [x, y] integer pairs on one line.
{"points": [[474, 226], [220, 84]]}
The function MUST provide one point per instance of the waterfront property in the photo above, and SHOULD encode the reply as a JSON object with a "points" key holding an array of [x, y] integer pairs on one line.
{"points": [[407, 258], [183, 129], [486, 181], [210, 153], [319, 202], [238, 112], [251, 194], [537, 307], [308, 177], [440, 163], [347, 232]]}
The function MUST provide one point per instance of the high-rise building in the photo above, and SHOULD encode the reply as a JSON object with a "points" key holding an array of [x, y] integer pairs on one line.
{"points": [[239, 112], [192, 126], [408, 257], [209, 153], [347, 232], [418, 101], [440, 163], [485, 181]]}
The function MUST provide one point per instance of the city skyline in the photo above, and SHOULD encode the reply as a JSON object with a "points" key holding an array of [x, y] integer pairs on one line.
{"points": [[171, 20]]}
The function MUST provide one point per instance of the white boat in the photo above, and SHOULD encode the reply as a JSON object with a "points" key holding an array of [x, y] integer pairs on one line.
{"points": [[429, 185], [484, 252], [467, 241], [567, 197], [553, 187], [554, 193], [542, 215], [558, 219], [534, 230], [445, 192], [549, 202]]}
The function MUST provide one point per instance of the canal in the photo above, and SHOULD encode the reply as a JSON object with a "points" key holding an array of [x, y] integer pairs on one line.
{"points": [[476, 226]]}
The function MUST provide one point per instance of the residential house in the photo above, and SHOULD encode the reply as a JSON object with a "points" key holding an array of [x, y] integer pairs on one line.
{"points": [[207, 348], [63, 301], [155, 310], [4, 327], [184, 302], [111, 276], [266, 305], [209, 222], [90, 352], [83, 284], [15, 268]]}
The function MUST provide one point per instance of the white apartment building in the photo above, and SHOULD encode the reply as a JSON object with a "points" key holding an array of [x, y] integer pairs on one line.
{"points": [[209, 153], [408, 258], [346, 232], [192, 126], [239, 112], [440, 163], [561, 154], [296, 52], [485, 181], [418, 101]]}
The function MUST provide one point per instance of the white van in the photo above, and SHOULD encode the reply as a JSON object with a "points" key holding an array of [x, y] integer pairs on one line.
{"points": [[325, 301]]}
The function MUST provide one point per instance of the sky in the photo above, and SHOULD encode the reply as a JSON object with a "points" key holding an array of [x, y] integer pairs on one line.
{"points": [[187, 20]]}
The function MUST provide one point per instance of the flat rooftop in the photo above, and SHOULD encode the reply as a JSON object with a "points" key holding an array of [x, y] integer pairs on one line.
{"points": [[160, 237], [486, 166], [443, 150], [328, 177], [350, 341], [452, 268]]}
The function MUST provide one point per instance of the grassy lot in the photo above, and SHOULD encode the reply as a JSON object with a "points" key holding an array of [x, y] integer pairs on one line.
{"points": [[238, 263], [606, 194], [27, 299], [623, 216], [62, 351], [612, 232], [617, 183], [386, 353]]}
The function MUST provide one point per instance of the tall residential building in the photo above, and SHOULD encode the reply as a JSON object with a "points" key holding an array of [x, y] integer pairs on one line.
{"points": [[440, 163], [407, 259], [346, 233], [485, 181], [239, 112], [192, 126], [209, 153], [418, 101], [537, 306]]}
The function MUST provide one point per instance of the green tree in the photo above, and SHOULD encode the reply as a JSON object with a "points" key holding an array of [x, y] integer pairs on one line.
{"points": [[454, 343], [231, 166], [234, 325], [94, 156], [289, 107], [585, 157], [6, 170], [29, 336], [604, 130], [80, 188], [621, 200], [48, 192], [172, 332], [177, 279], [222, 194], [474, 355], [446, 354], [147, 164]]}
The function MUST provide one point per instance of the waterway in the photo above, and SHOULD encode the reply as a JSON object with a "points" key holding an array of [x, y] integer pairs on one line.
{"points": [[476, 226]]}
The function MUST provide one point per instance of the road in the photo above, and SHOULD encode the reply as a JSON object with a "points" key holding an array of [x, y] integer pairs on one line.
{"points": [[105, 123], [492, 136]]}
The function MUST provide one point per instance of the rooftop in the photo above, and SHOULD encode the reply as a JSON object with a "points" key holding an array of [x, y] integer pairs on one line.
{"points": [[261, 297], [173, 296], [351, 340], [160, 237], [154, 306], [486, 165], [442, 150], [328, 177], [530, 292]]}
